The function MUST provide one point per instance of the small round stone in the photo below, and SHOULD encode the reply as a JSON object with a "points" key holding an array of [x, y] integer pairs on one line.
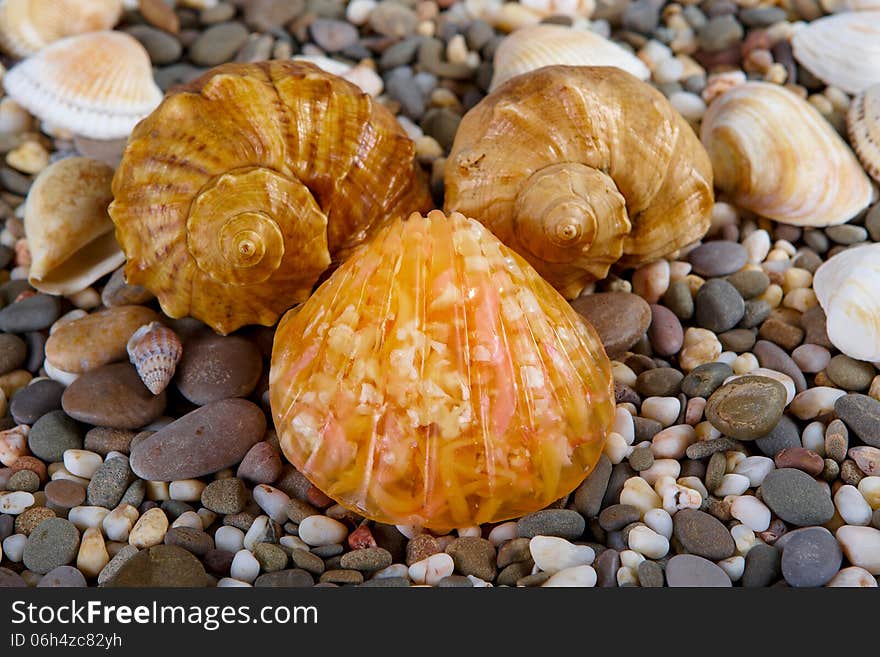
{"points": [[772, 357], [190, 539], [784, 435], [679, 300], [861, 414], [24, 480], [261, 465], [659, 382], [54, 542], [665, 332], [13, 352], [762, 566], [109, 483], [65, 494], [620, 318], [214, 368], [641, 459], [690, 570], [26, 522], [618, 516], [738, 340], [63, 577], [369, 559], [333, 35], [35, 313], [811, 557], [218, 44], [270, 557], [749, 283], [702, 534], [112, 396], [161, 566], [746, 408], [796, 497], [704, 379], [718, 305], [52, 435], [850, 374], [291, 578], [226, 496], [35, 400], [161, 46], [718, 258], [551, 522]]}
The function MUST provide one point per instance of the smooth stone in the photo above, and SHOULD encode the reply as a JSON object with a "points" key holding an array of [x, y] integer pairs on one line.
{"points": [[13, 352], [9, 579], [564, 523], [291, 578], [618, 516], [796, 497], [659, 382], [109, 483], [473, 555], [202, 442], [215, 367], [746, 408], [718, 258], [704, 379], [650, 574], [218, 44], [112, 396], [690, 570], [861, 414], [762, 566], [720, 33], [63, 577], [393, 20], [738, 340], [620, 318], [162, 47], [103, 440], [333, 35], [702, 534], [811, 557], [65, 494], [861, 545], [166, 566], [588, 496], [312, 563], [368, 559], [52, 435], [34, 313], [33, 401], [773, 357], [386, 583], [400, 54], [749, 283], [52, 543], [665, 333], [849, 374], [785, 435], [271, 15], [718, 306], [261, 465], [813, 321]]}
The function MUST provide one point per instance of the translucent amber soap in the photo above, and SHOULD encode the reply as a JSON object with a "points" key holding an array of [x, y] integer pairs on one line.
{"points": [[436, 379]]}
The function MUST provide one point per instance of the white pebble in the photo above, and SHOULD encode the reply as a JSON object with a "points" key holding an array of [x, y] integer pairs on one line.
{"points": [[258, 532], [751, 512], [811, 358], [188, 519], [622, 374], [694, 483], [669, 70], [576, 576], [757, 245], [84, 517], [501, 533], [813, 437], [647, 542], [149, 530], [118, 523], [732, 484], [745, 363], [861, 545], [661, 468], [663, 409], [245, 567], [630, 559], [853, 577], [676, 498], [624, 424], [13, 547], [478, 583], [432, 569], [814, 402], [727, 357], [273, 502], [660, 521], [734, 567], [637, 492], [358, 11], [689, 105], [851, 506], [16, 502], [869, 487], [672, 443], [186, 490], [321, 530], [552, 554], [229, 583], [229, 538], [627, 576], [394, 570], [744, 539], [755, 468], [732, 459], [293, 542], [616, 448], [81, 462], [474, 531]]}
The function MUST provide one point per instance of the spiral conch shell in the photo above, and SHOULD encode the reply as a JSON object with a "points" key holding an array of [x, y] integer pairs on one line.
{"points": [[435, 379], [774, 154], [154, 350], [848, 289], [243, 187], [863, 126], [532, 47], [842, 50], [27, 26], [69, 232], [98, 85], [576, 168]]}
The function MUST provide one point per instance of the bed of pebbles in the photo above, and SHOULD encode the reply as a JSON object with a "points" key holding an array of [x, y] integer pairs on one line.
{"points": [[745, 450]]}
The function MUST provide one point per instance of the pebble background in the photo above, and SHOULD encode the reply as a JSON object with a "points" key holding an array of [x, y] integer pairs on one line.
{"points": [[745, 449]]}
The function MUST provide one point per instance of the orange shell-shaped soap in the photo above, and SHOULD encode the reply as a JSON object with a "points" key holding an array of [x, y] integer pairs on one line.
{"points": [[436, 379]]}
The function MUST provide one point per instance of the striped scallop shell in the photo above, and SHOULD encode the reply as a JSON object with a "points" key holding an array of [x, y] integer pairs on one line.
{"points": [[863, 124], [154, 350], [537, 46], [27, 26], [97, 85]]}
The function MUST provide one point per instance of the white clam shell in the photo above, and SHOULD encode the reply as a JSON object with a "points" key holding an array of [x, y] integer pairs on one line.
{"points": [[848, 289], [842, 50], [863, 125], [840, 6], [98, 85], [26, 26], [774, 154], [536, 46]]}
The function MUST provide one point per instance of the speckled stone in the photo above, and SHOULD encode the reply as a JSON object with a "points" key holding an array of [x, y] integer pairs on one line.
{"points": [[54, 542], [861, 414], [473, 555], [811, 557], [701, 534], [850, 374], [370, 559], [13, 352], [109, 483], [215, 367], [63, 577], [52, 435], [796, 497], [659, 382], [551, 522], [190, 539], [588, 496], [166, 566]]}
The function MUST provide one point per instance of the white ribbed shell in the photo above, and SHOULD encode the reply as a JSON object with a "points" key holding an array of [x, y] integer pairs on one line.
{"points": [[26, 26], [863, 123]]}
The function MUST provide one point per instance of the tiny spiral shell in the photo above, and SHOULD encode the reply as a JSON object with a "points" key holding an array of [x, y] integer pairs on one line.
{"points": [[154, 350]]}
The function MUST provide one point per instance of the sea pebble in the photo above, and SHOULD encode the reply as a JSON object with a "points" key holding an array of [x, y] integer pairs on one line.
{"points": [[690, 570], [159, 566], [811, 557], [750, 511], [432, 569], [853, 577], [796, 497], [861, 545], [82, 463], [552, 554], [320, 530], [149, 530]]}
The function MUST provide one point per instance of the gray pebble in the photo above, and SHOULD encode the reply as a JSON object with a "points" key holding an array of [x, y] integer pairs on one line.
{"points": [[679, 300], [30, 314], [850, 374], [659, 382], [796, 497], [783, 436], [773, 357], [650, 574], [333, 35], [746, 408], [182, 73], [551, 522], [309, 561], [109, 483], [218, 44], [62, 577], [441, 124], [291, 578], [190, 539], [257, 48], [24, 480], [755, 311], [847, 234], [161, 46], [588, 496], [400, 54], [53, 434], [690, 570], [738, 340], [718, 305], [52, 543], [861, 414], [762, 16], [762, 566], [368, 559], [749, 283], [618, 516], [720, 33], [718, 258], [702, 534], [400, 86], [704, 379], [33, 401], [642, 16], [606, 565], [13, 352], [810, 557]]}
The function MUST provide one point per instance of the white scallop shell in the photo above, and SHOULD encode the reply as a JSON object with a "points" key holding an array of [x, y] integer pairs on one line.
{"points": [[842, 50], [26, 26], [863, 124], [848, 289], [536, 46], [98, 85], [773, 153], [840, 6]]}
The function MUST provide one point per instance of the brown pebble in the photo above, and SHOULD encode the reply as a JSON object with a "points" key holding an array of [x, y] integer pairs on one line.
{"points": [[715, 471], [26, 522], [261, 465], [800, 458], [718, 508], [641, 459], [813, 322], [316, 497], [831, 471], [159, 14], [836, 440], [421, 546], [850, 473], [33, 464], [665, 332], [103, 440], [780, 333], [620, 318], [23, 480], [65, 494]]}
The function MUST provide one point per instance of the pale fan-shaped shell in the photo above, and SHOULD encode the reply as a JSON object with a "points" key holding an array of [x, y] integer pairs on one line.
{"points": [[436, 379], [848, 289], [98, 85], [839, 6], [27, 26], [774, 154], [239, 191], [863, 125], [69, 232], [842, 50], [154, 350], [532, 47], [586, 141]]}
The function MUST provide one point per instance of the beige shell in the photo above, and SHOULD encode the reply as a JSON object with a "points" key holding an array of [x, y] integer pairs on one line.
{"points": [[70, 234], [532, 47], [98, 85], [863, 124], [27, 26], [774, 154], [840, 6], [154, 350], [842, 50], [848, 289]]}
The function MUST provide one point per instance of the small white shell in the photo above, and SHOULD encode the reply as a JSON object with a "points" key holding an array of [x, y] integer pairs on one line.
{"points": [[26, 26], [155, 350], [848, 289], [98, 85], [842, 50], [532, 47], [863, 124]]}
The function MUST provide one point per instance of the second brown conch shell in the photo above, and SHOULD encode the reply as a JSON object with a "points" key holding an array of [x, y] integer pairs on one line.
{"points": [[577, 168], [154, 350], [69, 232], [774, 154], [245, 185]]}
